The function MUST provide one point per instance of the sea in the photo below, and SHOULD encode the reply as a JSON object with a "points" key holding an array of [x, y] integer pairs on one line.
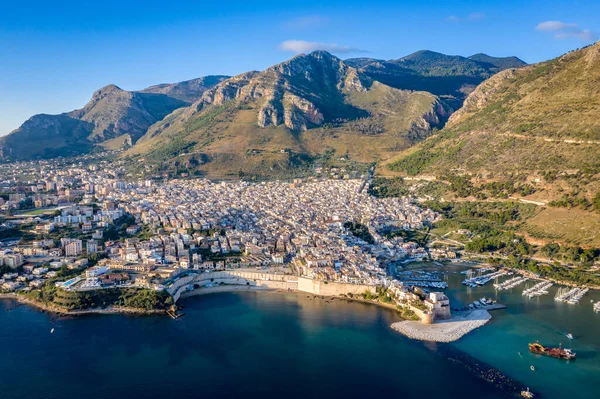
{"points": [[274, 345]]}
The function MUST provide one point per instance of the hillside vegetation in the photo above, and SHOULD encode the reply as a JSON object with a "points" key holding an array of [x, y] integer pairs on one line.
{"points": [[531, 133], [539, 118], [312, 108]]}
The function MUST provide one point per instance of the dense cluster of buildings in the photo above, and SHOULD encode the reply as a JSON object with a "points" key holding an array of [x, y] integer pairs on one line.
{"points": [[143, 233]]}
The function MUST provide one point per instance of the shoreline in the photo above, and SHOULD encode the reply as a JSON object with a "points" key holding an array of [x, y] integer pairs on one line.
{"points": [[238, 288], [55, 309]]}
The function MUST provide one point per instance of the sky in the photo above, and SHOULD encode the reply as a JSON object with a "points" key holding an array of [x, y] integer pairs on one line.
{"points": [[55, 54]]}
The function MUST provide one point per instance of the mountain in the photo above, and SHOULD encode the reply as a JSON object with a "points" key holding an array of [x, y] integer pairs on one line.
{"points": [[361, 62], [501, 63], [310, 108], [112, 113], [189, 91], [365, 107], [530, 134], [451, 76], [539, 118]]}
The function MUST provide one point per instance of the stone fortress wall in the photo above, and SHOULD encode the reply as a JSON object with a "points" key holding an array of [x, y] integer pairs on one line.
{"points": [[265, 281]]}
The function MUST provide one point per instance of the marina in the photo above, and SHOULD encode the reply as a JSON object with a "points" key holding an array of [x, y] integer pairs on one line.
{"points": [[537, 290], [525, 321], [422, 279], [482, 279]]}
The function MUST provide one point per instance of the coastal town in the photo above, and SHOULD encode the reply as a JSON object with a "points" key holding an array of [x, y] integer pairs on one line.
{"points": [[88, 221], [82, 232]]}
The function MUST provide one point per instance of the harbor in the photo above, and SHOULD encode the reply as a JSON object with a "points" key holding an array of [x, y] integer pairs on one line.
{"points": [[526, 320], [422, 279]]}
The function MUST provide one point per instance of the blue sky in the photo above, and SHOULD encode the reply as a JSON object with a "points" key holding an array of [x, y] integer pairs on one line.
{"points": [[55, 54]]}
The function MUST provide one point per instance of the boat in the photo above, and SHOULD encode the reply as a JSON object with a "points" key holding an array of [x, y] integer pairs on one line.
{"points": [[527, 394], [52, 331], [532, 368], [559, 353], [570, 336]]}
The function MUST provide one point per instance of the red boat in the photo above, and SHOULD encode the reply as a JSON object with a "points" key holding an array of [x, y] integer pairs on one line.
{"points": [[559, 353]]}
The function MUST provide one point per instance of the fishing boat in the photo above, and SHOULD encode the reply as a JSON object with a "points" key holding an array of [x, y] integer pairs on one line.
{"points": [[558, 353]]}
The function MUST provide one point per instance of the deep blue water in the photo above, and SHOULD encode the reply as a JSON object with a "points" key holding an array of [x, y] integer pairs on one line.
{"points": [[229, 345], [290, 345]]}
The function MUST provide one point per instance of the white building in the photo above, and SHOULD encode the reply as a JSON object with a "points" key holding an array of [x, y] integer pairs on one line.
{"points": [[74, 248], [92, 246]]}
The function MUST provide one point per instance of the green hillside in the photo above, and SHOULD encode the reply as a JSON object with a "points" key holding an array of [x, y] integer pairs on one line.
{"points": [[540, 118], [531, 133]]}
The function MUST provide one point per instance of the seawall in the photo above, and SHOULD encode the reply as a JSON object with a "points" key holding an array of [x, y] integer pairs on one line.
{"points": [[265, 281]]}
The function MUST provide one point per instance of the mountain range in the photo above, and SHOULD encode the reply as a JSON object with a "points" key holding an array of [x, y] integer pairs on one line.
{"points": [[310, 108], [112, 113]]}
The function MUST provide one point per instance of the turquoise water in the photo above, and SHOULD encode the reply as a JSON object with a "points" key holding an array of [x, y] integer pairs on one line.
{"points": [[274, 344], [502, 343], [227, 345]]}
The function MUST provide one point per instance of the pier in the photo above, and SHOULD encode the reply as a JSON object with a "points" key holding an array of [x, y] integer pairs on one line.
{"points": [[508, 284], [482, 279], [538, 290], [572, 296]]}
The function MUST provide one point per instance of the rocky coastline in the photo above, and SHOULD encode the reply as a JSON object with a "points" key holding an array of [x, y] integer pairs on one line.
{"points": [[51, 308]]}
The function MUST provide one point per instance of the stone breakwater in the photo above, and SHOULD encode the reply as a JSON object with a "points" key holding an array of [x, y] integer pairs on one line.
{"points": [[446, 330]]}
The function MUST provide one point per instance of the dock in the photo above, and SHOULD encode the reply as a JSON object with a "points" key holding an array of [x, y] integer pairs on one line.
{"points": [[537, 290], [512, 283], [572, 296]]}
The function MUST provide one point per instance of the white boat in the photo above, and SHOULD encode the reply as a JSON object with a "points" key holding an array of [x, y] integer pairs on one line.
{"points": [[527, 394], [52, 331], [570, 336]]}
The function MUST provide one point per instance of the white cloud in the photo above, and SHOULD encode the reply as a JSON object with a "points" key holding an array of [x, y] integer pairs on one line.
{"points": [[554, 26], [303, 46], [563, 30], [474, 16], [310, 21]]}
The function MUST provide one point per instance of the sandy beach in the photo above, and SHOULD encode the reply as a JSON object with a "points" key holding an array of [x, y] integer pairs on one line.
{"points": [[444, 330]]}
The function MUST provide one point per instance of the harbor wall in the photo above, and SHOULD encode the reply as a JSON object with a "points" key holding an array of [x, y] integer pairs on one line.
{"points": [[426, 317], [318, 287], [266, 281], [262, 280]]}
